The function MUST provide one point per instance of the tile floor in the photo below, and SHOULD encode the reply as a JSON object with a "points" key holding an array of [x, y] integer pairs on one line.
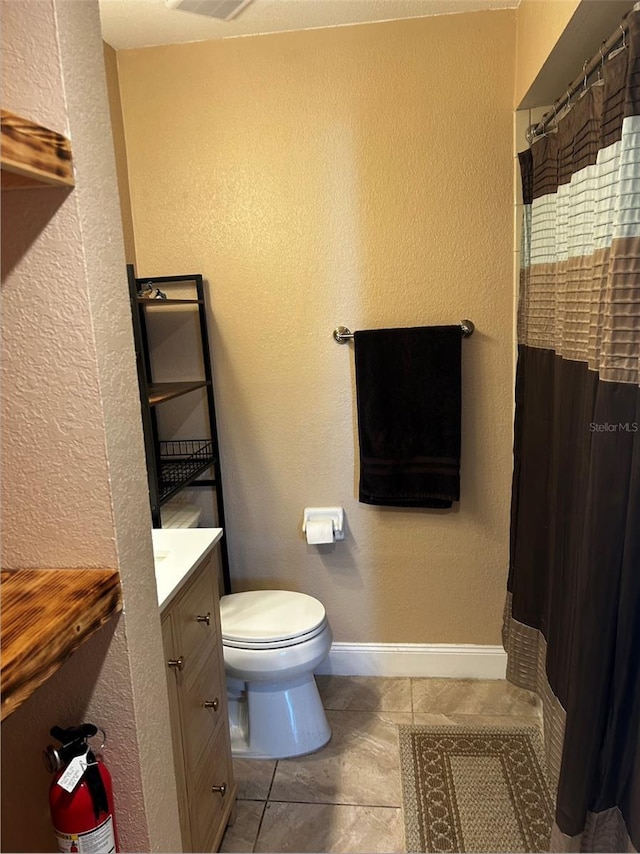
{"points": [[347, 796]]}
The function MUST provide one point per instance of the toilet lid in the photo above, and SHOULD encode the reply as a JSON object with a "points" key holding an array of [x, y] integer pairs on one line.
{"points": [[269, 615]]}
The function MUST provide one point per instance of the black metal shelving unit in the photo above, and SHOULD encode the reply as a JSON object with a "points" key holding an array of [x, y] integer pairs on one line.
{"points": [[173, 464]]}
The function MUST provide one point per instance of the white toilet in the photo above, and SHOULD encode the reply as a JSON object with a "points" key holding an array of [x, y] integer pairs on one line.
{"points": [[273, 640]]}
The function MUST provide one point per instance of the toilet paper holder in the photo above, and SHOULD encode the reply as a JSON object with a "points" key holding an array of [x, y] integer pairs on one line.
{"points": [[323, 514]]}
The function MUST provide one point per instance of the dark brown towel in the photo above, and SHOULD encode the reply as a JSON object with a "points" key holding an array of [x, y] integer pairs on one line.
{"points": [[408, 390]]}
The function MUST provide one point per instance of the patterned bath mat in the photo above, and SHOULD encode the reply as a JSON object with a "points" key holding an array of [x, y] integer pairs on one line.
{"points": [[474, 789]]}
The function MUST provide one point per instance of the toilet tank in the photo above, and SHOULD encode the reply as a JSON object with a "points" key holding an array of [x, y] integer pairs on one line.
{"points": [[179, 513]]}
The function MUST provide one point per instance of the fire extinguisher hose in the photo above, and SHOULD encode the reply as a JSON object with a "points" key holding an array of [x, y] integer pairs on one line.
{"points": [[96, 787]]}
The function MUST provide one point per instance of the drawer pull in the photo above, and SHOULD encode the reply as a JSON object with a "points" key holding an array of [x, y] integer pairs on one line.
{"points": [[201, 618], [220, 790], [212, 704], [176, 662]]}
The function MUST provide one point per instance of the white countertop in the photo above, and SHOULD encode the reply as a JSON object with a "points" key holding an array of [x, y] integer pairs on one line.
{"points": [[177, 552]]}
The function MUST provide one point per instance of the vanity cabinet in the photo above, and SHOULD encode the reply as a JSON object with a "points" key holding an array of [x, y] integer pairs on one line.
{"points": [[198, 706]]}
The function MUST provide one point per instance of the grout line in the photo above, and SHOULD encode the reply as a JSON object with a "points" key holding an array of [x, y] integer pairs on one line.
{"points": [[255, 841], [264, 809], [273, 777]]}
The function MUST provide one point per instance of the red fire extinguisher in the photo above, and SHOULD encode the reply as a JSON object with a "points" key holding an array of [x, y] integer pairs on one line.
{"points": [[81, 796]]}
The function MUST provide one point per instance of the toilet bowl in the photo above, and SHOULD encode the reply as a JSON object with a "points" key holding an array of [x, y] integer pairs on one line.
{"points": [[272, 642]]}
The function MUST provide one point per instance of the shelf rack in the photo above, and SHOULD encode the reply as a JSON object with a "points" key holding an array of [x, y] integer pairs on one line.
{"points": [[174, 464]]}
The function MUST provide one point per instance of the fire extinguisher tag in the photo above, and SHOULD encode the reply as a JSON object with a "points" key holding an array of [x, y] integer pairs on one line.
{"points": [[73, 773]]}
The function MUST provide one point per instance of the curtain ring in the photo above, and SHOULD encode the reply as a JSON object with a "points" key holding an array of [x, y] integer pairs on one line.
{"points": [[601, 66], [624, 37], [584, 71]]}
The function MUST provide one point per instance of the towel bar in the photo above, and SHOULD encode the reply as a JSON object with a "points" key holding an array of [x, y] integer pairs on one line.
{"points": [[341, 334]]}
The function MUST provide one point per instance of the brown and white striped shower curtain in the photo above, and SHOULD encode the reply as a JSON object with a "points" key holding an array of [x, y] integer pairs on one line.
{"points": [[572, 621]]}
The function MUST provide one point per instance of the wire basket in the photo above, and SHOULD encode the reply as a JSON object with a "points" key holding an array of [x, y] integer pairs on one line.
{"points": [[181, 460]]}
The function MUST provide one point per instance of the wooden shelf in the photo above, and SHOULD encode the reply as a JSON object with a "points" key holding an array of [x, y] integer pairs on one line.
{"points": [[32, 155], [143, 301], [161, 392], [46, 615]]}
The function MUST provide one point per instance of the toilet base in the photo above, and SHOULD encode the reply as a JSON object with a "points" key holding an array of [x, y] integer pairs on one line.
{"points": [[277, 720]]}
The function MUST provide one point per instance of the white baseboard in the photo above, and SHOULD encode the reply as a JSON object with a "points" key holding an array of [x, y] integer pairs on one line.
{"points": [[455, 661]]}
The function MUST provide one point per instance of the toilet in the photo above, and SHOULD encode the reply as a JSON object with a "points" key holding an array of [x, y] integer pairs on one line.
{"points": [[272, 642]]}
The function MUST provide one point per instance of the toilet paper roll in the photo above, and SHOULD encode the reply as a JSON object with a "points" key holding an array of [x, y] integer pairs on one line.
{"points": [[319, 531]]}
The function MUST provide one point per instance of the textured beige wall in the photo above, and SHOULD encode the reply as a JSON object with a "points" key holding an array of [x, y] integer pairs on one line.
{"points": [[362, 176], [540, 25], [55, 473], [26, 90], [73, 479], [117, 130]]}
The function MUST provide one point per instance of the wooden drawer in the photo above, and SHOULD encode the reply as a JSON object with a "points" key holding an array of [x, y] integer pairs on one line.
{"points": [[197, 601], [202, 682], [210, 810]]}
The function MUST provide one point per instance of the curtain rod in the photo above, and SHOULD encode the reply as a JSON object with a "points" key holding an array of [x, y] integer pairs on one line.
{"points": [[618, 38]]}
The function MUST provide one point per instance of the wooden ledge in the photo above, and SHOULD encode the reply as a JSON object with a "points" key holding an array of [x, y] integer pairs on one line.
{"points": [[46, 615], [32, 155]]}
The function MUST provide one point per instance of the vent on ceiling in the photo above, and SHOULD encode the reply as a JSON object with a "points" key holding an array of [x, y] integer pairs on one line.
{"points": [[224, 10]]}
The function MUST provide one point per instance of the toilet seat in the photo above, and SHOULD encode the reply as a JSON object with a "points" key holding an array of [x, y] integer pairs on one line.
{"points": [[295, 641], [270, 619]]}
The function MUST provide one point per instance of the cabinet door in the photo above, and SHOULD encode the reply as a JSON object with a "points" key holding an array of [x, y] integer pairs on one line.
{"points": [[171, 653]]}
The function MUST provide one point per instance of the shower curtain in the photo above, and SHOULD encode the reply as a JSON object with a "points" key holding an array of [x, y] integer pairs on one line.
{"points": [[572, 616]]}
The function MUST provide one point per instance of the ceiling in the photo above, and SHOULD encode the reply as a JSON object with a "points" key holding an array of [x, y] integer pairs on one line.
{"points": [[142, 23]]}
